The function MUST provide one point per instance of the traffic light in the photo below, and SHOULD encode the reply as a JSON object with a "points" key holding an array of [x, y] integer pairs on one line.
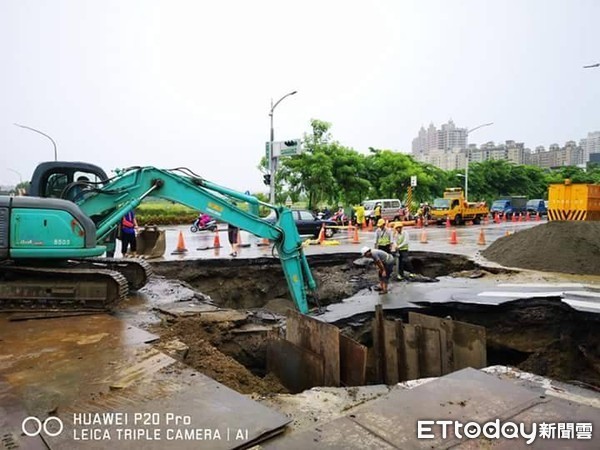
{"points": [[267, 179], [291, 143]]}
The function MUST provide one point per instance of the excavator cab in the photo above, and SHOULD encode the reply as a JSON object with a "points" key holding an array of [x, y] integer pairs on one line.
{"points": [[59, 179], [70, 180]]}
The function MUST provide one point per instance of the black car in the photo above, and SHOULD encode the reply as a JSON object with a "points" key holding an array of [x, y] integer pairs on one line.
{"points": [[308, 223]]}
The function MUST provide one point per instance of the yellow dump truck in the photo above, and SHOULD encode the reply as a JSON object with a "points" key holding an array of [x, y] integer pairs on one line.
{"points": [[569, 201], [453, 206]]}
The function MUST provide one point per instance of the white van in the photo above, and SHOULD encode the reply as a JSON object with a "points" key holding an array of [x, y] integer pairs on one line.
{"points": [[390, 208]]}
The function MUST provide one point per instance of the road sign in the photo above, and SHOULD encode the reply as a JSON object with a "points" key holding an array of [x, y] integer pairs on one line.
{"points": [[288, 202], [413, 181], [289, 147]]}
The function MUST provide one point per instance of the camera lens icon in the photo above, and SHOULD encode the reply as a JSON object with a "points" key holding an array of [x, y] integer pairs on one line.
{"points": [[51, 426]]}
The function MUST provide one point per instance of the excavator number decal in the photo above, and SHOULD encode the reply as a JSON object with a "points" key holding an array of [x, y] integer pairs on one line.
{"points": [[215, 207], [62, 241]]}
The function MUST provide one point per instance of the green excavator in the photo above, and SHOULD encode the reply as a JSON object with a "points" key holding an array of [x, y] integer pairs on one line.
{"points": [[52, 241]]}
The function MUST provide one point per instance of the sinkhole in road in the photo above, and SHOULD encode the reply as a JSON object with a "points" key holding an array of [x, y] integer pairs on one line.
{"points": [[542, 336], [254, 283]]}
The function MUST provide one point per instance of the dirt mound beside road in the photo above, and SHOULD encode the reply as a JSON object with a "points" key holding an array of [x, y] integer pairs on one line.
{"points": [[567, 247]]}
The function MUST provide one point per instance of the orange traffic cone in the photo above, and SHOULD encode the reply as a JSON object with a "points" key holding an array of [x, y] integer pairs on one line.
{"points": [[364, 224], [520, 217], [424, 237], [504, 217], [453, 239], [180, 246], [370, 227], [355, 240], [322, 234], [448, 222], [419, 223], [514, 218], [527, 217], [537, 217], [217, 241], [481, 240]]}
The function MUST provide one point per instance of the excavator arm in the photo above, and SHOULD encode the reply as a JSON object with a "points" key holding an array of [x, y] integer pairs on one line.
{"points": [[108, 204]]}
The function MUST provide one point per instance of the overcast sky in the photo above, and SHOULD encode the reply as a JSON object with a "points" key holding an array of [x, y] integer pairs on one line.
{"points": [[189, 83]]}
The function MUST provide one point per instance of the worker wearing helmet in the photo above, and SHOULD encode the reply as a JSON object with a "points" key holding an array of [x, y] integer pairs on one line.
{"points": [[384, 263], [401, 240], [383, 237]]}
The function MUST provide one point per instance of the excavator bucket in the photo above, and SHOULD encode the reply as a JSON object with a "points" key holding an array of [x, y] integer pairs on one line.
{"points": [[151, 242]]}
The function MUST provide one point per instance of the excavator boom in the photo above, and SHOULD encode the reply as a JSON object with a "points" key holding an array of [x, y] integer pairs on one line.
{"points": [[52, 229]]}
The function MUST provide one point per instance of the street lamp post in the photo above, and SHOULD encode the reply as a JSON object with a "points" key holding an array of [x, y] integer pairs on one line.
{"points": [[467, 163], [272, 159], [43, 134]]}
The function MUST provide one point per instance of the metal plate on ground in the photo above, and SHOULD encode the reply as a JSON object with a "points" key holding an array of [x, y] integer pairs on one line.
{"points": [[100, 364], [342, 434], [211, 416], [12, 415], [465, 395], [553, 412]]}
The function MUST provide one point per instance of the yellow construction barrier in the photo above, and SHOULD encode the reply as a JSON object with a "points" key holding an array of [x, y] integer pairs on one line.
{"points": [[573, 201]]}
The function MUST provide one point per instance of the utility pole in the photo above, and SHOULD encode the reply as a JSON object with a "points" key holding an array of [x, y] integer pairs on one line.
{"points": [[467, 154], [272, 158]]}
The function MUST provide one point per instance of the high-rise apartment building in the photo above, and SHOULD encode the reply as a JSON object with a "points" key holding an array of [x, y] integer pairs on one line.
{"points": [[449, 137], [590, 145], [448, 148]]}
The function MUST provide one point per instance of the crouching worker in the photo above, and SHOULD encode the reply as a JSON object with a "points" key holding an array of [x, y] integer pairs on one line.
{"points": [[384, 263], [401, 244]]}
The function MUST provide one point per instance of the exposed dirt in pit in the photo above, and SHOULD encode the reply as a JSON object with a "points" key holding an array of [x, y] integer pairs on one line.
{"points": [[252, 283], [237, 358], [218, 352], [567, 247]]}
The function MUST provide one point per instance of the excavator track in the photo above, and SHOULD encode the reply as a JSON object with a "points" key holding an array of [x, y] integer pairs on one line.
{"points": [[64, 289], [136, 271]]}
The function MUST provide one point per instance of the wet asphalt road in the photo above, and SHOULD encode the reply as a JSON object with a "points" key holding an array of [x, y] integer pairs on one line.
{"points": [[438, 240]]}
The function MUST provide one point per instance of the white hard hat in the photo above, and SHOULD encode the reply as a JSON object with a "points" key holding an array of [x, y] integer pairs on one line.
{"points": [[364, 250]]}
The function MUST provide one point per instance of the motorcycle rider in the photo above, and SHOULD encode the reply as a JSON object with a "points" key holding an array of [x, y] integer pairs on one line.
{"points": [[203, 219]]}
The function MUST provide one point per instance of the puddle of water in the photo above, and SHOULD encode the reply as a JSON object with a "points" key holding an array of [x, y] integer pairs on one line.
{"points": [[52, 362]]}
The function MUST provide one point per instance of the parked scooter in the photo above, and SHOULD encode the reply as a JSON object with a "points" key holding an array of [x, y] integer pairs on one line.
{"points": [[203, 224]]}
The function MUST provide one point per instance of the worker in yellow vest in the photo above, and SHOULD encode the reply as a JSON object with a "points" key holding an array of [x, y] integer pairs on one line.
{"points": [[401, 240], [359, 212], [383, 237]]}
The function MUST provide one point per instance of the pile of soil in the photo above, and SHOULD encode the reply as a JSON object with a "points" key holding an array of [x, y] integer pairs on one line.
{"points": [[204, 354], [568, 247]]}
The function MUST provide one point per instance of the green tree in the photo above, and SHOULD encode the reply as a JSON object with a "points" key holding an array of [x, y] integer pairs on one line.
{"points": [[390, 172], [326, 171]]}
